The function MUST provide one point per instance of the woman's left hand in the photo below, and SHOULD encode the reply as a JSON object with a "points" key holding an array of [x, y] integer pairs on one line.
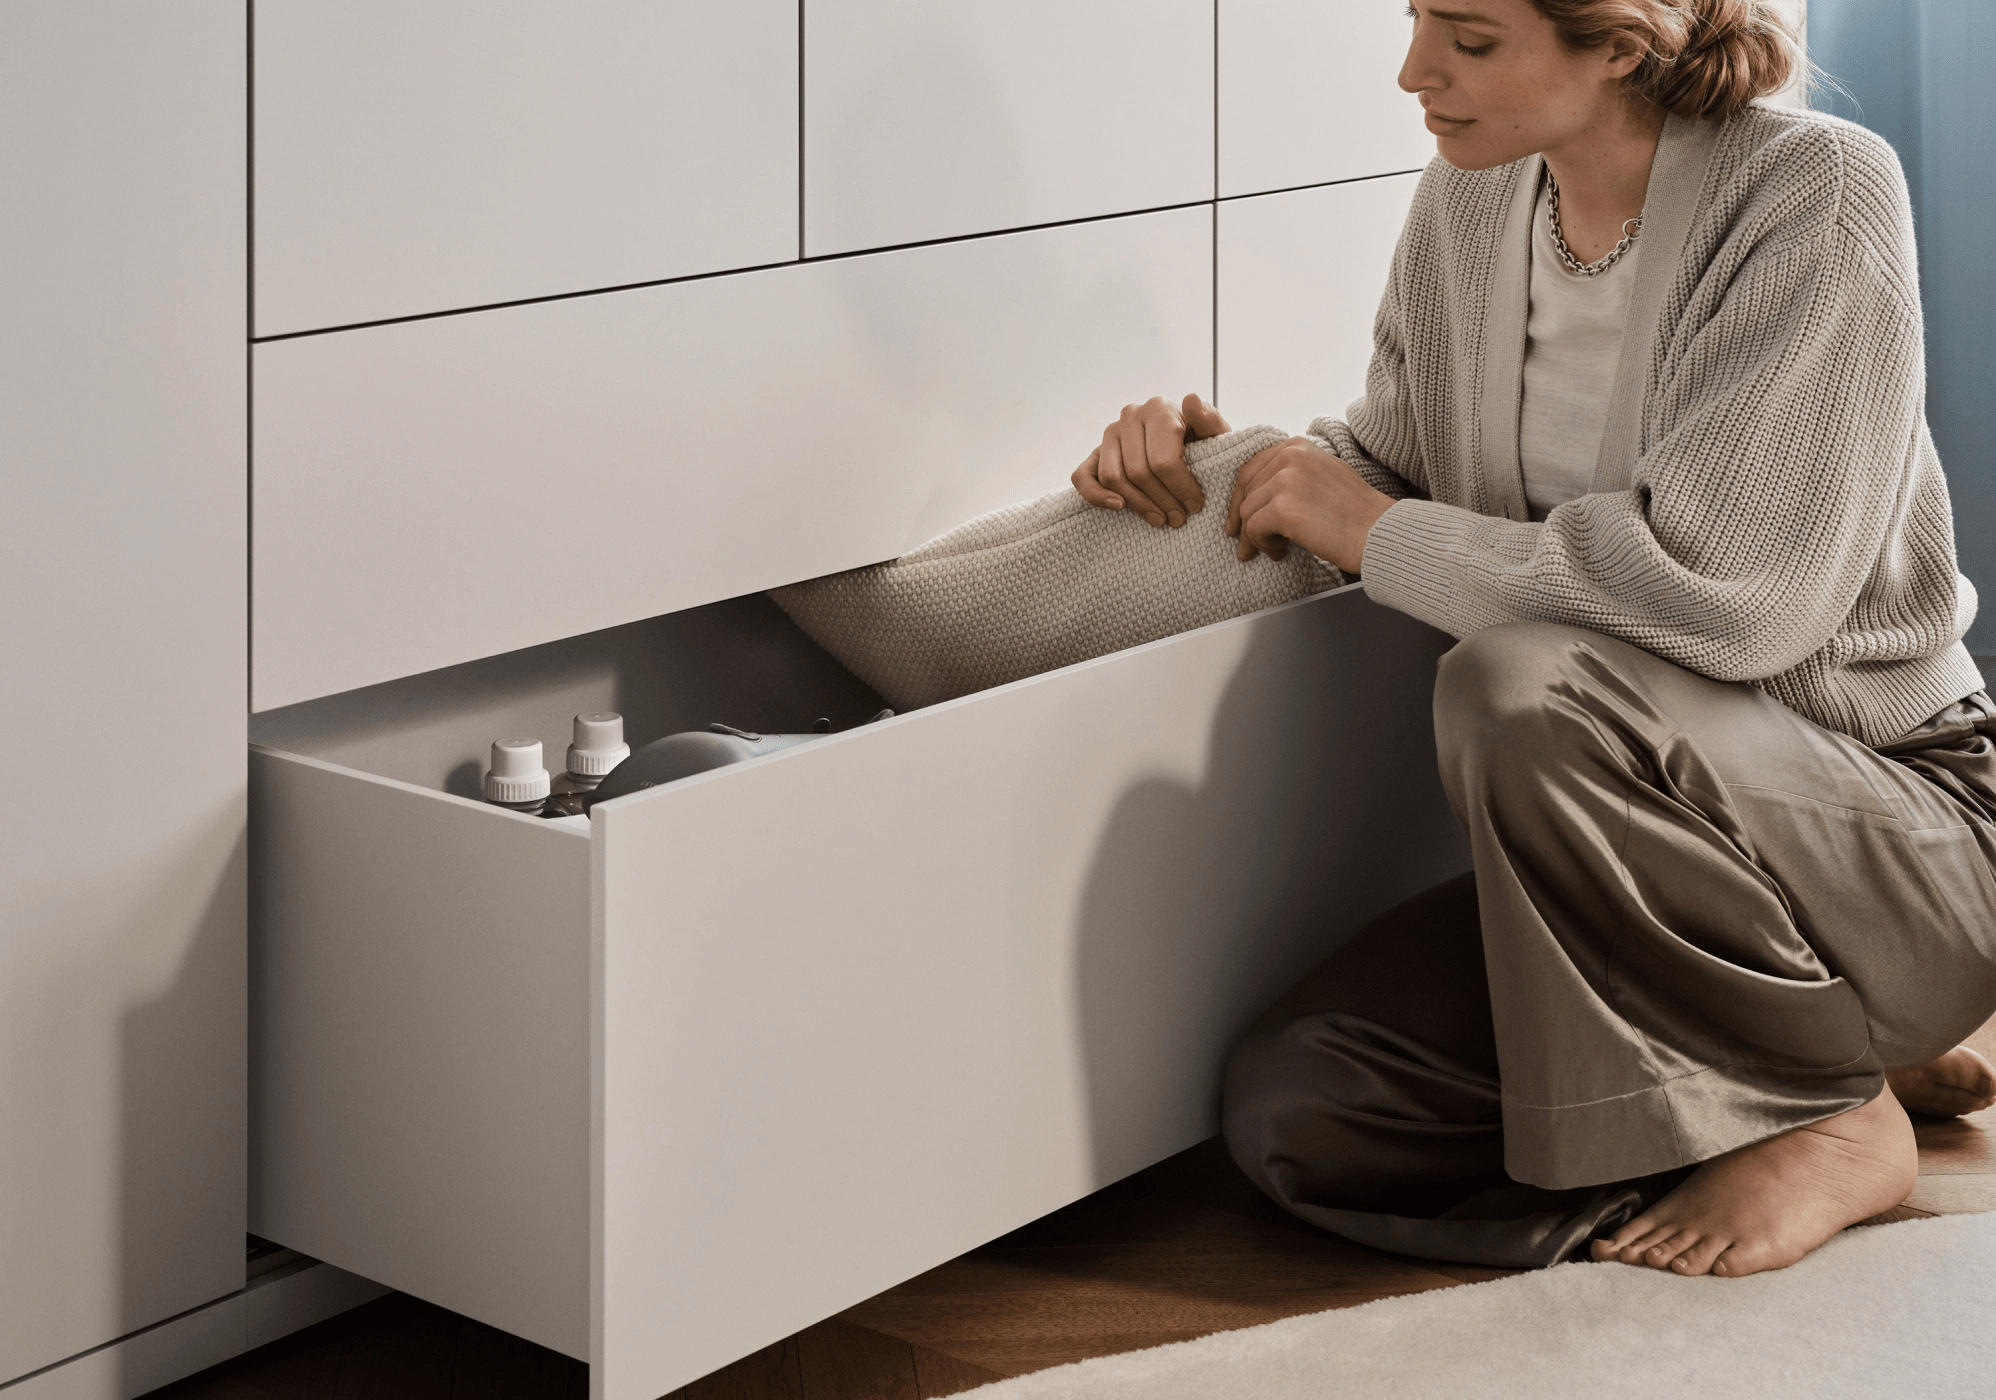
{"points": [[1297, 493]]}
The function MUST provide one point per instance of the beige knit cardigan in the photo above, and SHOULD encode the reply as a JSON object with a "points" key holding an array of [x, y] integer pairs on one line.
{"points": [[1767, 505]]}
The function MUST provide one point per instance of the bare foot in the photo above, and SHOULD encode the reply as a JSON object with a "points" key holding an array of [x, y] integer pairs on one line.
{"points": [[1765, 1206], [1958, 1082]]}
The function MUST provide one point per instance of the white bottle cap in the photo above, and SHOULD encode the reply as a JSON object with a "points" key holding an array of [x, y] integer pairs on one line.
{"points": [[599, 745], [517, 775]]}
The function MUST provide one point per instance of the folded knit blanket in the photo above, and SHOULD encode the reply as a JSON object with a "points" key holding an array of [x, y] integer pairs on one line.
{"points": [[1045, 584]]}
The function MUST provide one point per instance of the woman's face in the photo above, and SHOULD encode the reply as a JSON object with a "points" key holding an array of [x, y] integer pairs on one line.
{"points": [[1498, 85]]}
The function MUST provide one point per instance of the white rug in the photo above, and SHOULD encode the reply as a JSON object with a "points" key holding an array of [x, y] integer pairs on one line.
{"points": [[1906, 1310]]}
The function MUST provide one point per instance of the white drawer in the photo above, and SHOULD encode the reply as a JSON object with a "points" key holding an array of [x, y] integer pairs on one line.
{"points": [[935, 118], [417, 158], [763, 1042], [421, 488], [1301, 275], [1309, 92]]}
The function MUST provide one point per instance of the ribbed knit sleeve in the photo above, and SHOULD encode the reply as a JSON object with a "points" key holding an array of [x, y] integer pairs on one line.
{"points": [[1377, 434], [1756, 515], [1787, 522]]}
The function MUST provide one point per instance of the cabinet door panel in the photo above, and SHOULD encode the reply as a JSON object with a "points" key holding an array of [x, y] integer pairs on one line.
{"points": [[1301, 275], [122, 403], [1309, 93], [934, 118], [438, 490], [418, 158]]}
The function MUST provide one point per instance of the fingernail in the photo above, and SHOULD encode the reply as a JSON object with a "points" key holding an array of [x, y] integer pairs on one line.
{"points": [[1176, 520], [1115, 503], [1155, 518]]}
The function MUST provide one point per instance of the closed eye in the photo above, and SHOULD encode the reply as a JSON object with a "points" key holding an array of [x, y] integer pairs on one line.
{"points": [[1470, 51]]}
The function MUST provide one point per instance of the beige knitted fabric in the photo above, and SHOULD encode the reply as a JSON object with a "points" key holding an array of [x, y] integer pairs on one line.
{"points": [[1044, 584], [1784, 520]]}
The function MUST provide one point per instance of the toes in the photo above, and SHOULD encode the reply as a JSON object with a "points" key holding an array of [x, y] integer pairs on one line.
{"points": [[1702, 1257], [1636, 1251], [1642, 1225], [1661, 1256], [1984, 1078]]}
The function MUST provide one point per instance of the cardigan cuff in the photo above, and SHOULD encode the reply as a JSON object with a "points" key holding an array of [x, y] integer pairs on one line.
{"points": [[1406, 565]]}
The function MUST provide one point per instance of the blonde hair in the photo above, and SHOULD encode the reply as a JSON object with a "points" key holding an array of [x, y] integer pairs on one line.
{"points": [[1701, 58]]}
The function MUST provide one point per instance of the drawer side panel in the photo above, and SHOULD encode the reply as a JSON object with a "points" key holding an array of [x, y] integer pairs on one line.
{"points": [[419, 1041], [872, 1003]]}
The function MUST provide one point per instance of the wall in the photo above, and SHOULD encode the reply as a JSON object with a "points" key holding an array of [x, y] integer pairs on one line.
{"points": [[1916, 72]]}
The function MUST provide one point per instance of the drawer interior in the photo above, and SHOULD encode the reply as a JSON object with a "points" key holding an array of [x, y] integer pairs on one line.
{"points": [[739, 662]]}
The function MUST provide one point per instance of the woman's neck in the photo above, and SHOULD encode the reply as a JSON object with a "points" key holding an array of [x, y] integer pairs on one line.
{"points": [[1603, 175]]}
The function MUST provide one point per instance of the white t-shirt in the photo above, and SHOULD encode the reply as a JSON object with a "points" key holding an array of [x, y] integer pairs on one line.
{"points": [[1573, 338]]}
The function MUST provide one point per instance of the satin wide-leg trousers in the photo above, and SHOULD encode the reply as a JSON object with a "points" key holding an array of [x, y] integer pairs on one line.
{"points": [[1696, 920]]}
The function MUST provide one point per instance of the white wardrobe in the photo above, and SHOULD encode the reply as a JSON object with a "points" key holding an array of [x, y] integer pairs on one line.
{"points": [[410, 374], [123, 668]]}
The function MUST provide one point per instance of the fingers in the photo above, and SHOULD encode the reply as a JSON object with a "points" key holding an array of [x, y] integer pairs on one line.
{"points": [[1167, 465], [1109, 472], [1137, 483], [1202, 419], [1141, 462], [1261, 525], [1088, 483], [1251, 474]]}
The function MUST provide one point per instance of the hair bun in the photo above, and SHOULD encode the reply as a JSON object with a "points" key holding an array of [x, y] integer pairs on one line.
{"points": [[1702, 58], [1737, 50]]}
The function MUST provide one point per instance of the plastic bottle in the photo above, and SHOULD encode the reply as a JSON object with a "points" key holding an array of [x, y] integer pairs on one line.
{"points": [[516, 779], [597, 748]]}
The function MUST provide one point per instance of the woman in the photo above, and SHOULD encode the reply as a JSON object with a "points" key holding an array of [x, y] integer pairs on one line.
{"points": [[1644, 428]]}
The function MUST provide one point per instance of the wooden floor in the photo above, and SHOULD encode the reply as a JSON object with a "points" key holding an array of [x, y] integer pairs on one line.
{"points": [[1185, 1248]]}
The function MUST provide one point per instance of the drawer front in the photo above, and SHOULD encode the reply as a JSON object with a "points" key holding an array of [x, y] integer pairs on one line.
{"points": [[877, 1000], [419, 1110], [439, 490], [417, 158], [1309, 93], [930, 120], [1301, 276]]}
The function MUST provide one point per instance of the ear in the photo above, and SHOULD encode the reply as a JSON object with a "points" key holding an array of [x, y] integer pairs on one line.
{"points": [[1623, 56]]}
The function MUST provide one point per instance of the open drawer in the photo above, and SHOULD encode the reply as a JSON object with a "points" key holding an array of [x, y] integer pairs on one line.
{"points": [[761, 1043]]}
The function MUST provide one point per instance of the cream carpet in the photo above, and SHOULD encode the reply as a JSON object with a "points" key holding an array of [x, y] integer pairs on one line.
{"points": [[1905, 1310]]}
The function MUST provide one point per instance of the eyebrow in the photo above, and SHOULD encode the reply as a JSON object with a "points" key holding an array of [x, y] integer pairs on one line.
{"points": [[1466, 17]]}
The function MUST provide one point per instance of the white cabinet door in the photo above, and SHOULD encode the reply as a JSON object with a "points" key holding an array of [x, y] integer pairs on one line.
{"points": [[935, 118], [122, 647], [1301, 275], [1309, 93], [414, 158], [443, 489]]}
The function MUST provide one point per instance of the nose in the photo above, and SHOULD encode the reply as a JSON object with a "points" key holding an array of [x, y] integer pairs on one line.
{"points": [[1418, 73]]}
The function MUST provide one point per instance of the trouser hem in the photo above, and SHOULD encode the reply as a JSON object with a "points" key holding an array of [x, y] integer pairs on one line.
{"points": [[1679, 1123]]}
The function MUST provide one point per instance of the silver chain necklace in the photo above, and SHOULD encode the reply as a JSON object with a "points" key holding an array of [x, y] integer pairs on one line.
{"points": [[1594, 269]]}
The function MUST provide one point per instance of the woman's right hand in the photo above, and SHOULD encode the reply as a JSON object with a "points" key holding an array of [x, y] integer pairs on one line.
{"points": [[1141, 462]]}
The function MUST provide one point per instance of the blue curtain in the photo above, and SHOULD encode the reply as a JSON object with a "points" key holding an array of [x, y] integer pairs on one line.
{"points": [[1917, 72]]}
